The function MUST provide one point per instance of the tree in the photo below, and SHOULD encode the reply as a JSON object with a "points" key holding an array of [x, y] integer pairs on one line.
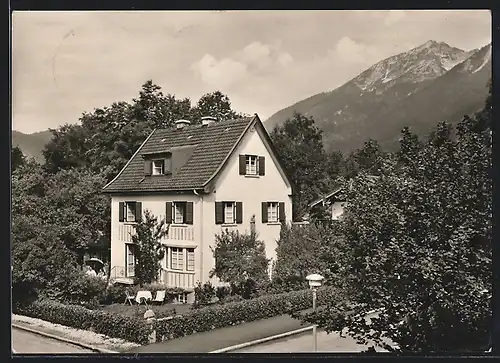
{"points": [[70, 201], [299, 144], [149, 250], [17, 158], [368, 158], [301, 251], [240, 259], [420, 246], [214, 104]]}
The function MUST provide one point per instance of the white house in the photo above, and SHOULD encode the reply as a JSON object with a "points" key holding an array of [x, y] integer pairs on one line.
{"points": [[202, 179]]}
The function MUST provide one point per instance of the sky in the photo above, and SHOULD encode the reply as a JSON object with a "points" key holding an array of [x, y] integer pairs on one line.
{"points": [[68, 63]]}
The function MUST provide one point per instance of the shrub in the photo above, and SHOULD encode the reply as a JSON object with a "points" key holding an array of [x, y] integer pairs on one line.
{"points": [[86, 289], [115, 294], [204, 294], [113, 325], [222, 292], [233, 313]]}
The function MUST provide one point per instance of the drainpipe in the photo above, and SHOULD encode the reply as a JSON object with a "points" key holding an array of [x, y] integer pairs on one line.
{"points": [[201, 233]]}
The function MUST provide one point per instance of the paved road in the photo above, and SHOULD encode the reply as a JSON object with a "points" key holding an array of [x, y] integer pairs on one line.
{"points": [[303, 343], [24, 342]]}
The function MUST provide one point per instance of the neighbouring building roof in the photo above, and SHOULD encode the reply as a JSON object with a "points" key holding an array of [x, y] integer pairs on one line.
{"points": [[199, 151]]}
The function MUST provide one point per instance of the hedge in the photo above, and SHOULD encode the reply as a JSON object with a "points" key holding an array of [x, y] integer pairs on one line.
{"points": [[113, 325], [220, 316]]}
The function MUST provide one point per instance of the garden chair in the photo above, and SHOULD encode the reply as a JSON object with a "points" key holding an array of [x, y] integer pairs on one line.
{"points": [[129, 298], [159, 297]]}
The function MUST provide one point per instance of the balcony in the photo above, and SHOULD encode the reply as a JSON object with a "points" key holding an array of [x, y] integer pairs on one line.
{"points": [[175, 233], [180, 279]]}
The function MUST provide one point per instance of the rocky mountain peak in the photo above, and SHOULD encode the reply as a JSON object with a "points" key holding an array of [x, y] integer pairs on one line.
{"points": [[425, 62]]}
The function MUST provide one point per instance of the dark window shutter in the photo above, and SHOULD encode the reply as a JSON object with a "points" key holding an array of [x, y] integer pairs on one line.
{"points": [[239, 212], [138, 211], [168, 166], [243, 164], [147, 167], [219, 212], [189, 213], [281, 212], [262, 165], [264, 212], [121, 210], [168, 212]]}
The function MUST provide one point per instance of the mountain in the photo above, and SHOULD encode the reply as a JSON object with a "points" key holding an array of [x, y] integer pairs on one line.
{"points": [[31, 144], [418, 88]]}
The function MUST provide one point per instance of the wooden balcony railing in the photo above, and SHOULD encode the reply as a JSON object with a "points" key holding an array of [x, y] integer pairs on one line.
{"points": [[176, 233]]}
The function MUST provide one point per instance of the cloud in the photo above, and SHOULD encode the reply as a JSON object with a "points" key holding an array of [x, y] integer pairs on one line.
{"points": [[285, 59], [219, 73], [348, 50]]}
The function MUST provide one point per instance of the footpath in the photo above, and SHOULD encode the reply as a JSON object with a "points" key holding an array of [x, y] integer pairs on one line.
{"points": [[206, 342]]}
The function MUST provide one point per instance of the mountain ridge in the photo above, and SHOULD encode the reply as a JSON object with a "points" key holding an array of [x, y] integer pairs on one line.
{"points": [[388, 86]]}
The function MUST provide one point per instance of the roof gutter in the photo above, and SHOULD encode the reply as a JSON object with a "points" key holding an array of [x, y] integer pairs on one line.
{"points": [[128, 162]]}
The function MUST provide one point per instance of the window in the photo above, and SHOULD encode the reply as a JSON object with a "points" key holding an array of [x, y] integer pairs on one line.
{"points": [[130, 260], [176, 258], [130, 211], [251, 165], [181, 259], [190, 259], [272, 212], [178, 212], [158, 167], [182, 298], [229, 212]]}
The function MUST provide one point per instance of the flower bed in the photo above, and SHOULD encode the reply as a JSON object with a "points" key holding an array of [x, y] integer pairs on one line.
{"points": [[112, 325], [219, 316]]}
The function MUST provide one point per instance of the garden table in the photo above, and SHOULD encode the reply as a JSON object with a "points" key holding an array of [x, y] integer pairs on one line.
{"points": [[143, 295]]}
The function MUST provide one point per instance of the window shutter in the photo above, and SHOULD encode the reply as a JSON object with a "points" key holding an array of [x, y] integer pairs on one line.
{"points": [[264, 212], [243, 165], [281, 212], [219, 213], [121, 210], [147, 167], [239, 212], [262, 165], [138, 211], [189, 213], [168, 213], [168, 166]]}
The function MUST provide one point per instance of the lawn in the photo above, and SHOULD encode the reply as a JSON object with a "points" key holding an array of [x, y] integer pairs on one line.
{"points": [[139, 310]]}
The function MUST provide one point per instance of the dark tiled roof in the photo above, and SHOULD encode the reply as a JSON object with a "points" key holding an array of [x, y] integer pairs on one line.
{"points": [[204, 147]]}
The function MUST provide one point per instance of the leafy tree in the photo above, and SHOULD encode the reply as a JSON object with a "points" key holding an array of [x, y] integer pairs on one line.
{"points": [[299, 144], [420, 246], [301, 252], [149, 250], [240, 259], [214, 104], [70, 201], [368, 158], [17, 158], [41, 263]]}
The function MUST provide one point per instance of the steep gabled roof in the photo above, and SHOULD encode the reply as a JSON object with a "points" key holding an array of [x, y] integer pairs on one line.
{"points": [[203, 148]]}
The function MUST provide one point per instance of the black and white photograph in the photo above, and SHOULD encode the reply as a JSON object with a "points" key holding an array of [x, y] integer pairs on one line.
{"points": [[251, 181]]}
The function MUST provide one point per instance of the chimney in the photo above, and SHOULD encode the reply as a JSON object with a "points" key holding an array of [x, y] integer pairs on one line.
{"points": [[181, 123], [208, 120]]}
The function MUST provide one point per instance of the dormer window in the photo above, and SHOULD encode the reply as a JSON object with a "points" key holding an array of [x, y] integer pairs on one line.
{"points": [[159, 167]]}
